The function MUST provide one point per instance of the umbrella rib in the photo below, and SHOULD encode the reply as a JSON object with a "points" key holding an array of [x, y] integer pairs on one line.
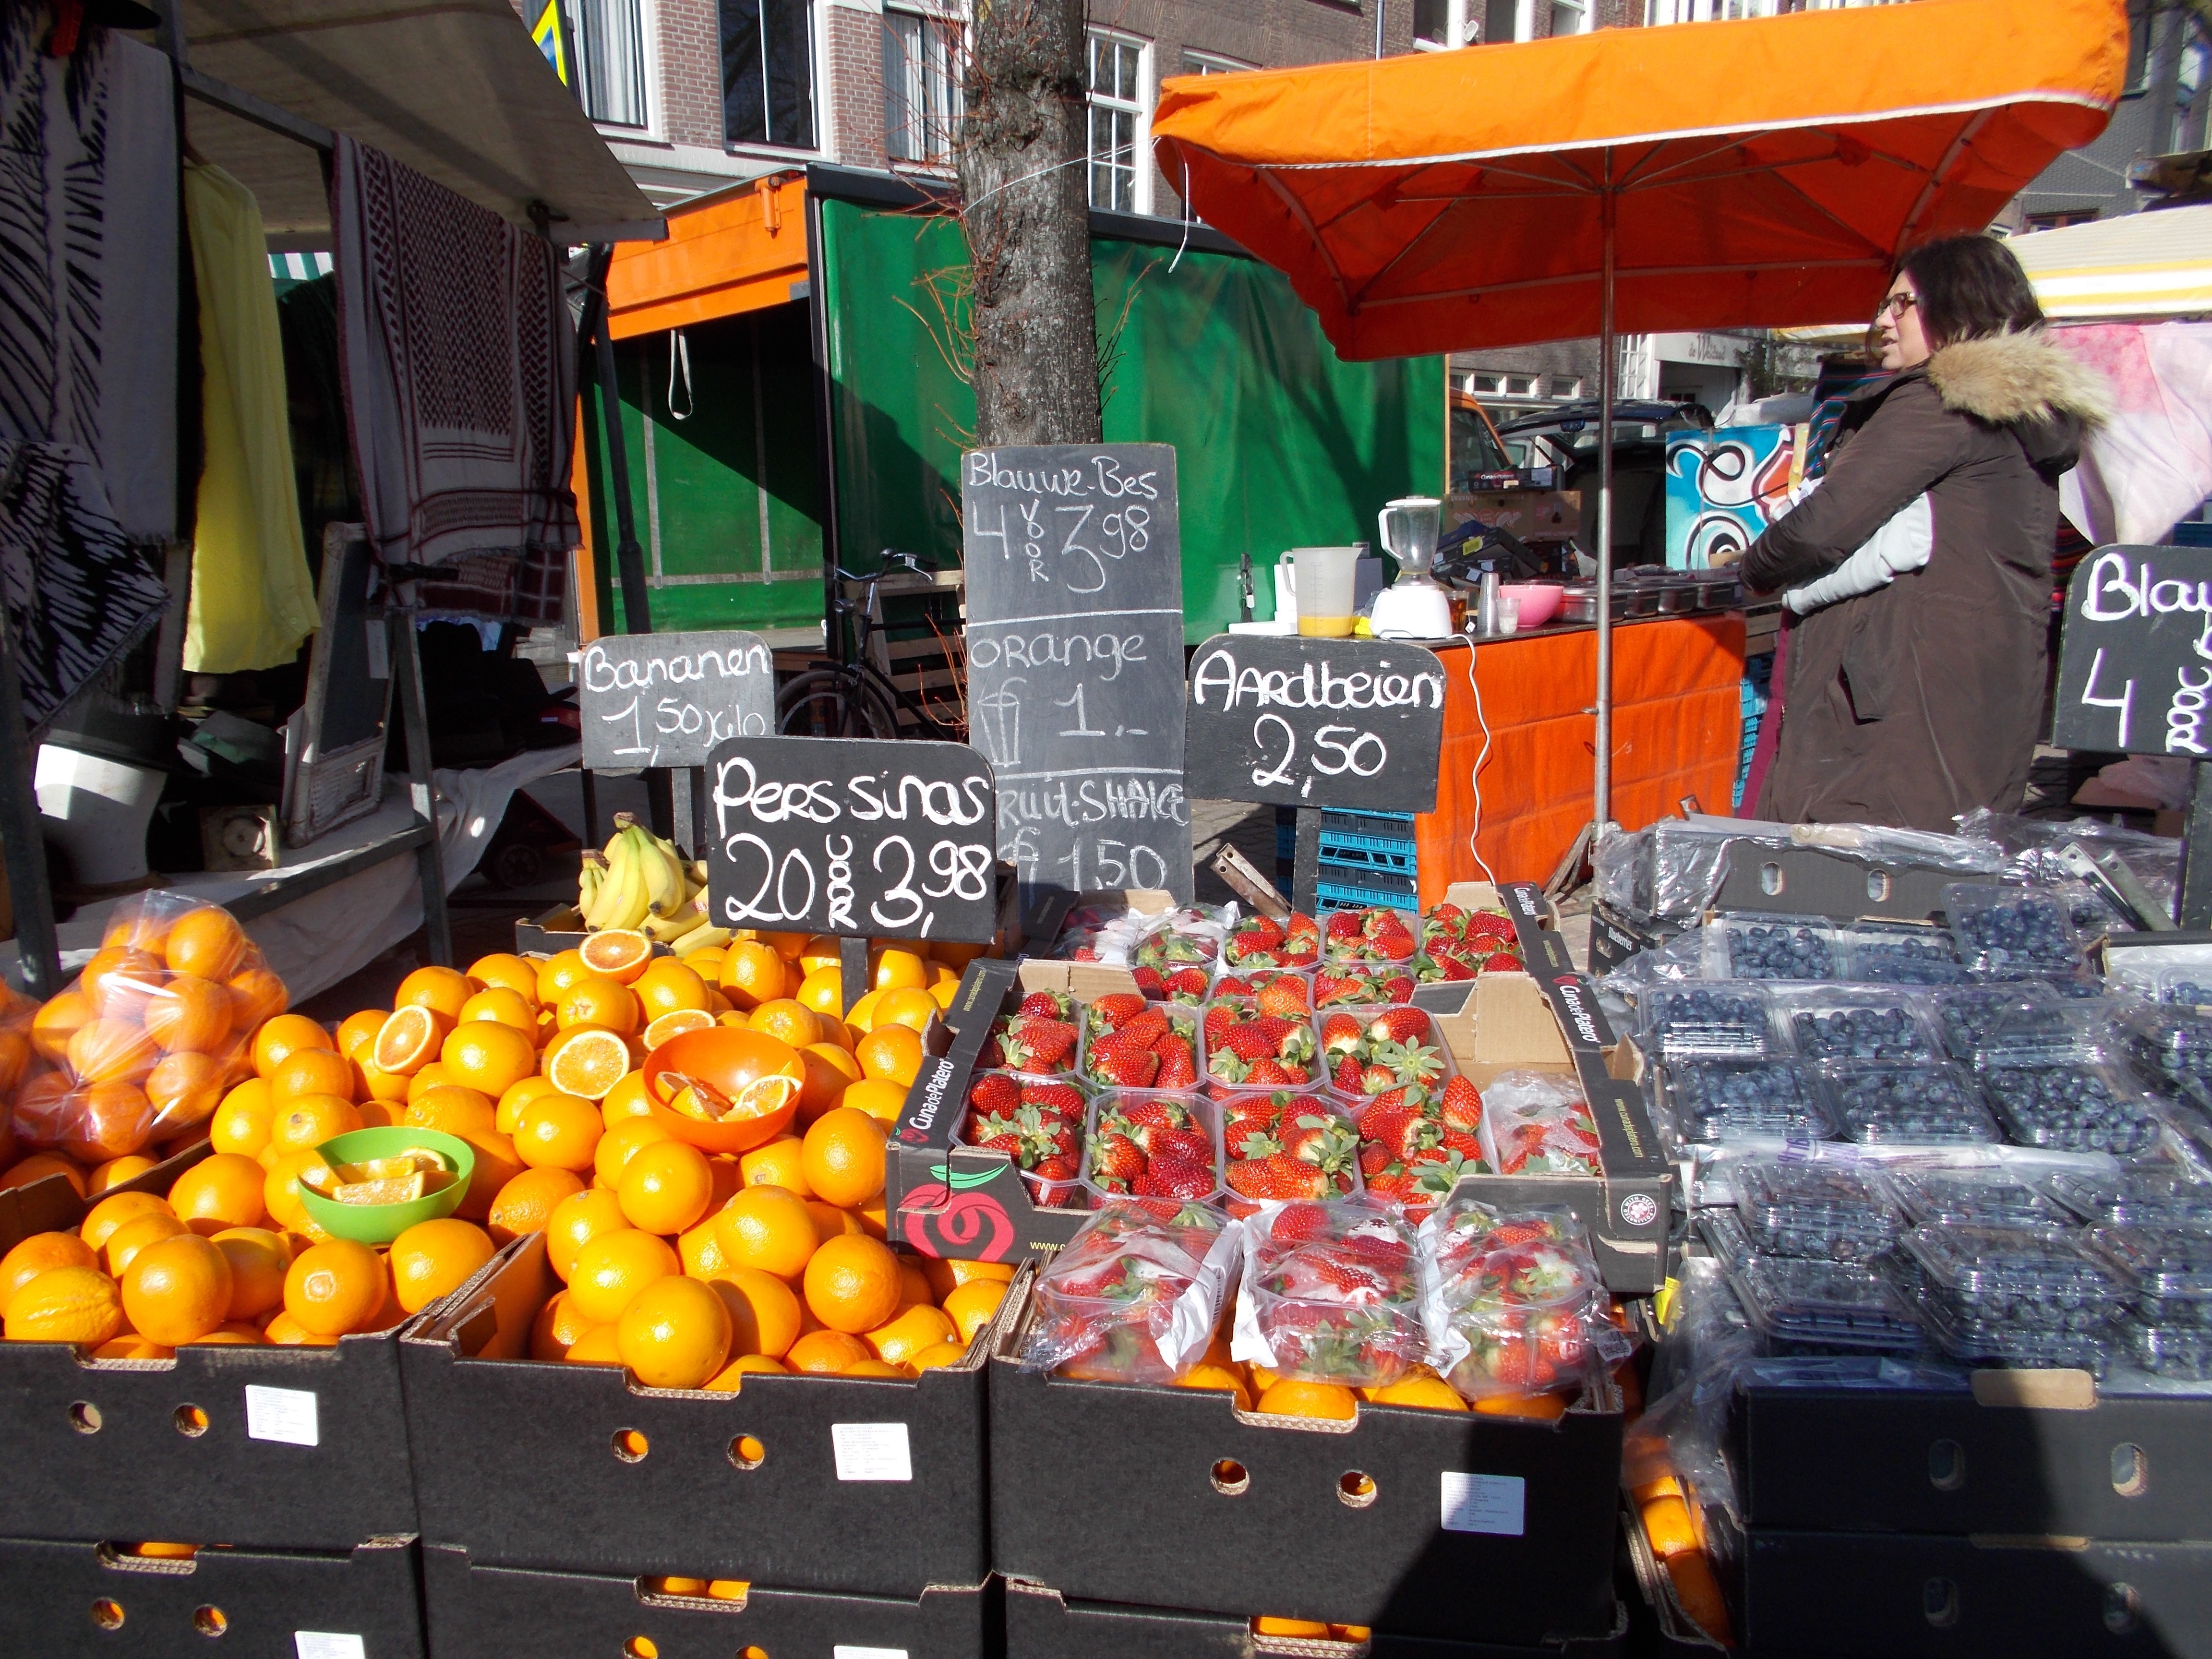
{"points": [[1391, 264], [1634, 178], [1855, 234], [1298, 211], [1967, 135], [1877, 263]]}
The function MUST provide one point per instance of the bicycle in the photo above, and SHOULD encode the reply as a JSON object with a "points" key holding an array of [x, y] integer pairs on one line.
{"points": [[856, 696]]}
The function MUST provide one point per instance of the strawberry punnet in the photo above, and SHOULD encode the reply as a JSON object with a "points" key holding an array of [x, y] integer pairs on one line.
{"points": [[1148, 1146], [1256, 1049], [1330, 1294], [1029, 1042]]}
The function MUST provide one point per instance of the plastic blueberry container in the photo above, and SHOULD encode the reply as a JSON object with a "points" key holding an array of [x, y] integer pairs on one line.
{"points": [[1722, 1229], [1716, 1100], [1972, 1340], [1966, 1015], [1205, 1115], [2023, 1278], [1775, 948], [1894, 953], [2000, 928], [1721, 1018], [1819, 1211], [2031, 1033], [1846, 1023], [2148, 1197], [2183, 1353], [2184, 988], [2074, 1106], [1987, 1196], [2172, 1040], [1819, 1306], [2168, 1271], [1897, 1104]]}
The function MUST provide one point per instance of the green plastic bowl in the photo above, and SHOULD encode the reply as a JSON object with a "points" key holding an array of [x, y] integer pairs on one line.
{"points": [[379, 1223]]}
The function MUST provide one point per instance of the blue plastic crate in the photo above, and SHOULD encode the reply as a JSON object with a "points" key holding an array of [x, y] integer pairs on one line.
{"points": [[1342, 889], [1369, 853]]}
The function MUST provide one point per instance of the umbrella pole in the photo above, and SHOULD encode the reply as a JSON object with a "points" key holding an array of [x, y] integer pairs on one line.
{"points": [[1602, 794]]}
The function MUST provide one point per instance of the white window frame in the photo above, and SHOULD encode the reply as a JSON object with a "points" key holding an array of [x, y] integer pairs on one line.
{"points": [[1139, 107], [1585, 9], [955, 18], [1208, 63], [648, 29], [1462, 28], [826, 135]]}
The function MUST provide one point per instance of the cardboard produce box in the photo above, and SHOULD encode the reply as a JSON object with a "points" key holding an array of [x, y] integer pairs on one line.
{"points": [[65, 1599], [269, 1447], [1423, 1523], [2024, 1453], [1043, 1623], [1851, 1596], [870, 1485], [478, 1611]]}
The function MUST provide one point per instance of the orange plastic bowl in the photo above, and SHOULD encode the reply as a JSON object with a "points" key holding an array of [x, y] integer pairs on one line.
{"points": [[763, 1076]]}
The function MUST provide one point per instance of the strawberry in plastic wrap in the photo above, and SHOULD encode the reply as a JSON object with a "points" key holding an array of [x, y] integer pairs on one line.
{"points": [[1150, 1145], [1038, 1124], [1536, 1124], [1331, 1294], [1516, 1304], [1300, 1148], [1135, 1295]]}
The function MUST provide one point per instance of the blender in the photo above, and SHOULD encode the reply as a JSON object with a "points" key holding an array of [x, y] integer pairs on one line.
{"points": [[1416, 606]]}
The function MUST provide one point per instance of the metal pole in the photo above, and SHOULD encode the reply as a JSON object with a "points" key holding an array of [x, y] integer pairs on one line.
{"points": [[1602, 794], [37, 955], [1381, 6], [2194, 908]]}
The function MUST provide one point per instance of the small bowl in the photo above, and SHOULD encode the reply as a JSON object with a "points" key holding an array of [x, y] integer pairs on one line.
{"points": [[379, 1223], [731, 1060], [1540, 601]]}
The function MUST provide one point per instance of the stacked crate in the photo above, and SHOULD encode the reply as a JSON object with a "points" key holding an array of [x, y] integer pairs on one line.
{"points": [[1366, 858]]}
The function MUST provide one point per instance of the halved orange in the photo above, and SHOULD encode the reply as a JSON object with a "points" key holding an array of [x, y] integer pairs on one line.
{"points": [[409, 1040], [675, 1023], [725, 1089], [621, 954], [587, 1061]]}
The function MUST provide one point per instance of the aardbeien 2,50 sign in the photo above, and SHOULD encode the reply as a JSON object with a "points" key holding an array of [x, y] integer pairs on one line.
{"points": [[1352, 724], [853, 836], [2135, 664]]}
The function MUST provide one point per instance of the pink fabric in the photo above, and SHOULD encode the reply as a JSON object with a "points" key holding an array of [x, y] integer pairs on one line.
{"points": [[2151, 464], [459, 359]]}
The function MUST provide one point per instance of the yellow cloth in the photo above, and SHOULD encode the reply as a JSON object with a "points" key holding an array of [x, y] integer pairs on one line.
{"points": [[252, 598]]}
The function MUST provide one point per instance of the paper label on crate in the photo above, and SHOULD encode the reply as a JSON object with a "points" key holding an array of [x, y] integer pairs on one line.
{"points": [[323, 1644], [847, 1650], [287, 1415], [1485, 1503], [871, 1451]]}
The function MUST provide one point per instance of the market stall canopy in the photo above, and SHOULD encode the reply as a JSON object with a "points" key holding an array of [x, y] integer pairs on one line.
{"points": [[1759, 173], [736, 251], [2141, 265], [456, 90]]}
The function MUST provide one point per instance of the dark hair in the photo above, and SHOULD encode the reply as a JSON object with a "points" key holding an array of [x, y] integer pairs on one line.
{"points": [[1970, 288]]}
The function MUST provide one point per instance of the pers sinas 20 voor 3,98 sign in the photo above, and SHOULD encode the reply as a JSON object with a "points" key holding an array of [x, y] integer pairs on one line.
{"points": [[853, 836]]}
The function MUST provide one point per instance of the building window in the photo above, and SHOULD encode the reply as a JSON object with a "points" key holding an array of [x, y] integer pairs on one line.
{"points": [[1121, 172], [1442, 24], [767, 72], [921, 87], [610, 46], [1564, 387], [2059, 221], [1570, 17], [1205, 62]]}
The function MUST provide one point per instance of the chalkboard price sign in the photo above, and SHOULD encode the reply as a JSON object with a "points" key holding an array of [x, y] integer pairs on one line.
{"points": [[1074, 566], [2135, 664], [1352, 724], [853, 836], [668, 699]]}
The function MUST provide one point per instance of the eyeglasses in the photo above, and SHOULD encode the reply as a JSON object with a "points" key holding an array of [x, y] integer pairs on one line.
{"points": [[1896, 305]]}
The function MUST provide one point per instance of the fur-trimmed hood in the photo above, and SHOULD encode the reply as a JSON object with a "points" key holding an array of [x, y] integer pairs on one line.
{"points": [[2027, 382]]}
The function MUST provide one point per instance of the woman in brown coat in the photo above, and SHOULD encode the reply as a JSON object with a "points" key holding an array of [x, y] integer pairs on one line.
{"points": [[1922, 698]]}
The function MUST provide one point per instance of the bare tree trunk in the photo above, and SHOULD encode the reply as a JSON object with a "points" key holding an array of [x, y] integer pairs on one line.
{"points": [[1022, 152]]}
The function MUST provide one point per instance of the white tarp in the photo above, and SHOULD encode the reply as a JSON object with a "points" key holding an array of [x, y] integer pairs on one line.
{"points": [[2150, 465]]}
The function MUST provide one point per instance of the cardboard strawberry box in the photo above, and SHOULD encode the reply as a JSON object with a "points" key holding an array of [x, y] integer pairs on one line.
{"points": [[867, 1485], [267, 1447], [1044, 1624], [1424, 1523], [479, 1612], [95, 1598]]}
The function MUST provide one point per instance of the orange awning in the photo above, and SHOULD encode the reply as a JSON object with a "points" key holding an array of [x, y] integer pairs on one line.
{"points": [[1763, 173], [739, 250]]}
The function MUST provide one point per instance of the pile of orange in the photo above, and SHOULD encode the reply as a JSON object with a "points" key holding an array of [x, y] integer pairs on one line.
{"points": [[1260, 1390], [132, 1059], [224, 1258]]}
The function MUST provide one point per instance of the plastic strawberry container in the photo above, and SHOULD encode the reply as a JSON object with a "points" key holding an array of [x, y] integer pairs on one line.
{"points": [[1046, 1192], [1824, 1307], [1134, 1296], [1341, 1302], [1427, 1036], [1226, 980], [1820, 1212], [1721, 1100], [1206, 1119], [1299, 1114], [1364, 984], [1219, 1052], [1538, 1123], [1334, 950], [1722, 1018], [1185, 1021]]}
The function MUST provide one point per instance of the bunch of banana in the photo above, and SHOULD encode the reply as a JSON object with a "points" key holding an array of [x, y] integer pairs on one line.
{"points": [[644, 883]]}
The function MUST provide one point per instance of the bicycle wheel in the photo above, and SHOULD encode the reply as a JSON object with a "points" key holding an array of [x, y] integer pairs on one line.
{"points": [[830, 703]]}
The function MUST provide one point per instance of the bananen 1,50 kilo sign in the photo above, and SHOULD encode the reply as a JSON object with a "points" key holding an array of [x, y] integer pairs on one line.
{"points": [[853, 836]]}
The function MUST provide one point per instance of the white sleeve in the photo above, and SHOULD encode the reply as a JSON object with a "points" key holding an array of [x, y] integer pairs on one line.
{"points": [[1902, 544]]}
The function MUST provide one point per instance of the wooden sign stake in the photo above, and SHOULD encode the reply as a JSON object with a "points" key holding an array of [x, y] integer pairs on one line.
{"points": [[1305, 867], [852, 970]]}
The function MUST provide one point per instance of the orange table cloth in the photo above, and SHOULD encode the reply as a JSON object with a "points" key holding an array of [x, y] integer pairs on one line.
{"points": [[1677, 731]]}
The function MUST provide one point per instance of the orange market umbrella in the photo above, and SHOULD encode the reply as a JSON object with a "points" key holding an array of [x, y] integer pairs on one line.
{"points": [[1710, 176]]}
